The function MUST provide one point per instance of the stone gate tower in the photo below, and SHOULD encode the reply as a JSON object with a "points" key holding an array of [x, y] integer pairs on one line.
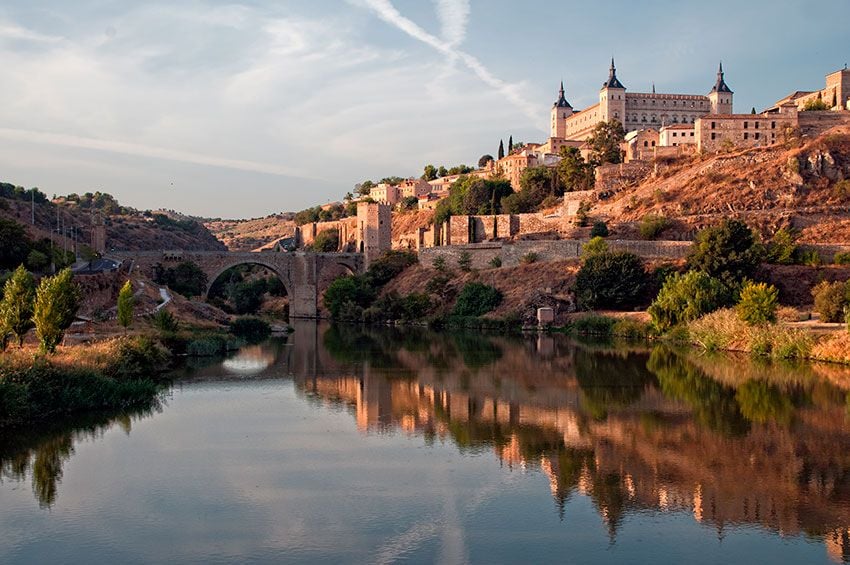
{"points": [[612, 98], [561, 110], [374, 230]]}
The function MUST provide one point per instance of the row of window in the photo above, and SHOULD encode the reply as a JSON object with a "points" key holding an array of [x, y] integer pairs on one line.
{"points": [[747, 125], [756, 135], [664, 103], [654, 119]]}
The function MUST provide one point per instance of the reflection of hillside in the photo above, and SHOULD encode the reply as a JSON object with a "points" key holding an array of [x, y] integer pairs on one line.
{"points": [[630, 430]]}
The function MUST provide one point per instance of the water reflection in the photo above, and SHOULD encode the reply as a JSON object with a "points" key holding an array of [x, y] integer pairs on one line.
{"points": [[633, 429], [39, 455]]}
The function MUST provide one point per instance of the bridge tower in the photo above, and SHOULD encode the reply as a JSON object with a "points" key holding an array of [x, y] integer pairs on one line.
{"points": [[374, 230]]}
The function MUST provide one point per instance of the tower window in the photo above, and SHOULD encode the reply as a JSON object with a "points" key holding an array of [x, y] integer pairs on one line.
{"points": [[713, 125], [757, 135], [746, 125], [746, 135], [713, 135]]}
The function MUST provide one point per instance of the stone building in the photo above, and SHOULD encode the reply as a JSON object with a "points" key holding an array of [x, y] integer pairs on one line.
{"points": [[413, 187], [723, 131], [677, 134], [636, 110], [98, 234], [835, 95], [374, 230], [385, 194]]}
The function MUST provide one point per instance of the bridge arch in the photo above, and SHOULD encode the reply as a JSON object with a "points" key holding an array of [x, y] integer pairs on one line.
{"points": [[214, 275]]}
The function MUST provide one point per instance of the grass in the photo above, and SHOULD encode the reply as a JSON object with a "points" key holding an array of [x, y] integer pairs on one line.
{"points": [[723, 330], [115, 374]]}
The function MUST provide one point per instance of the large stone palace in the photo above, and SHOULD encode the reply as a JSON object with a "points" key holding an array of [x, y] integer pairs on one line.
{"points": [[636, 110]]}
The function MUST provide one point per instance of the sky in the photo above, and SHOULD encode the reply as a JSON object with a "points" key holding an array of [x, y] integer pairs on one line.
{"points": [[237, 110]]}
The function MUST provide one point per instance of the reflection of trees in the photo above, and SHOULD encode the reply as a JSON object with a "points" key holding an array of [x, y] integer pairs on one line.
{"points": [[714, 404], [43, 453], [762, 402], [610, 379]]}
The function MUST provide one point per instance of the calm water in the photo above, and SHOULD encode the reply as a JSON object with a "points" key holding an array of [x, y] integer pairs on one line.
{"points": [[344, 445]]}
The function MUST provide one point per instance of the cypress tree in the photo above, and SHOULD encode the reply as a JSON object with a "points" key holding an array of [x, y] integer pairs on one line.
{"points": [[57, 299], [501, 149], [510, 144], [125, 305], [17, 305], [753, 111]]}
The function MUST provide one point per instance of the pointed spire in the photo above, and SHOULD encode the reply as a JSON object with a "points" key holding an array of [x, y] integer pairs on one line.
{"points": [[561, 102], [720, 85], [613, 81]]}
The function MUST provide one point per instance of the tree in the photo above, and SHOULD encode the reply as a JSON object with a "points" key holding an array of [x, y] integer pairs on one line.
{"points": [[16, 308], [364, 187], [753, 111], [476, 299], [599, 229], [728, 252], [573, 172], [187, 278], [536, 184], [126, 302], [605, 142], [326, 241], [510, 144], [351, 289], [596, 246], [56, 302], [442, 172], [14, 244], [610, 280], [484, 160], [430, 172], [501, 152], [684, 298], [758, 303]]}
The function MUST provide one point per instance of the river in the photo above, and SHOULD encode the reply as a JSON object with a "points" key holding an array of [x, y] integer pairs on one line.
{"points": [[343, 444]]}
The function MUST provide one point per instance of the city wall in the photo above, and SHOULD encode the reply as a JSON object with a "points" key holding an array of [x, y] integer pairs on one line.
{"points": [[512, 252]]}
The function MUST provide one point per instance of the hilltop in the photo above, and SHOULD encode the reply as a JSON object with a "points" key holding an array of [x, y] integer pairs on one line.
{"points": [[802, 184], [126, 228], [248, 235]]}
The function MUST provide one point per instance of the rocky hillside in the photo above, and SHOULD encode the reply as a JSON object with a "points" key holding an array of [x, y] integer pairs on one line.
{"points": [[126, 228], [247, 235], [803, 184]]}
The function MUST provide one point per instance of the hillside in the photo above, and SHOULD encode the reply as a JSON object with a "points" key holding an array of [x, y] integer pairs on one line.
{"points": [[801, 184], [247, 235], [126, 228]]}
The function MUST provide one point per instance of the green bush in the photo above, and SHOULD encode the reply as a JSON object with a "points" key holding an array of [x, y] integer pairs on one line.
{"points": [[250, 328], [439, 263], [596, 246], [684, 298], [389, 266], [126, 303], [476, 299], [831, 300], [464, 262], [529, 258], [782, 248], [599, 229], [495, 262], [594, 325], [164, 321], [809, 257], [842, 258], [207, 346], [186, 278], [326, 241], [611, 280], [758, 303], [728, 252], [652, 225], [438, 284], [353, 288]]}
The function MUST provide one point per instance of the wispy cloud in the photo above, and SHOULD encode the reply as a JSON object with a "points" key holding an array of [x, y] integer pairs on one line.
{"points": [[454, 17], [139, 150], [16, 32], [385, 10]]}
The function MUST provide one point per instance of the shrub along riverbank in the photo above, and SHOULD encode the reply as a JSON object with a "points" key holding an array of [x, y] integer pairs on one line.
{"points": [[117, 374]]}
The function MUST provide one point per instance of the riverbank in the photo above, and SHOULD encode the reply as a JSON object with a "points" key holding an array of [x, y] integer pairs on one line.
{"points": [[115, 374], [722, 330]]}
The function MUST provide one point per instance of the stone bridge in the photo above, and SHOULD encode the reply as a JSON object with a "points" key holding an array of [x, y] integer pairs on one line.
{"points": [[304, 275]]}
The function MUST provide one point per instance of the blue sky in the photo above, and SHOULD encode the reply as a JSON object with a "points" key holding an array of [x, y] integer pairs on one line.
{"points": [[244, 109]]}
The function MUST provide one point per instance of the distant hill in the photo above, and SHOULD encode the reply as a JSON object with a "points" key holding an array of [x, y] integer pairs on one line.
{"points": [[247, 235], [126, 228]]}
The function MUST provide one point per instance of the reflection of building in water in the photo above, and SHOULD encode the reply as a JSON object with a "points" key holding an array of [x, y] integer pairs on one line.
{"points": [[838, 545], [643, 450]]}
